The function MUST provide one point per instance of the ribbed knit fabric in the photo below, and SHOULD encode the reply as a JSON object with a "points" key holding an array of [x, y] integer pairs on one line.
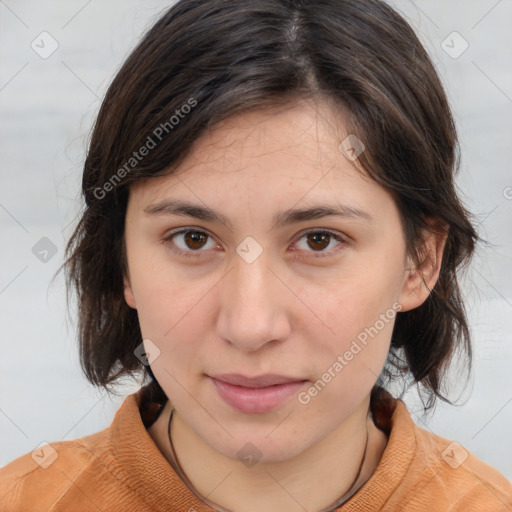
{"points": [[120, 469]]}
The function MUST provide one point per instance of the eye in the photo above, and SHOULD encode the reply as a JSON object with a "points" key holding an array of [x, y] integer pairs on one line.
{"points": [[189, 242], [319, 241]]}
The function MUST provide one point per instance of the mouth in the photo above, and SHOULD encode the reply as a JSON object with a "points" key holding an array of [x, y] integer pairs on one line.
{"points": [[258, 394]]}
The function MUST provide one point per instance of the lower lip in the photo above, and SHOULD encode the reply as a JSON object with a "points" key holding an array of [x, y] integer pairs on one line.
{"points": [[256, 400]]}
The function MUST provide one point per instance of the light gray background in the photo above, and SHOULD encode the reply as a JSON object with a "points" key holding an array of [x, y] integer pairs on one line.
{"points": [[47, 107]]}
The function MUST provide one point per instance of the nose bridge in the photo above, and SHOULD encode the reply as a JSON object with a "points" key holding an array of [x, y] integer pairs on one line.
{"points": [[249, 313], [250, 274], [251, 281]]}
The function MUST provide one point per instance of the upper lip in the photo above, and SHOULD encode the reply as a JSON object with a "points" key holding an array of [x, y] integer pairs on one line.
{"points": [[259, 381]]}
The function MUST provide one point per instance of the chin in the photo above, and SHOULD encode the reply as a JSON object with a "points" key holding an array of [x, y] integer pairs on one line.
{"points": [[252, 450]]}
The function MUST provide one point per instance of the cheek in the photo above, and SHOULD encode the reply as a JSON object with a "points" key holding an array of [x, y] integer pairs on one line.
{"points": [[347, 365], [356, 303], [171, 308], [358, 314], [173, 317]]}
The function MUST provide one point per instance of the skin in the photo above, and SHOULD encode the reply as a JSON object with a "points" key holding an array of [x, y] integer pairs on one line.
{"points": [[290, 311]]}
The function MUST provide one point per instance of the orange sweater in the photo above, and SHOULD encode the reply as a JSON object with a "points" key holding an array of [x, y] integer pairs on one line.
{"points": [[121, 469]]}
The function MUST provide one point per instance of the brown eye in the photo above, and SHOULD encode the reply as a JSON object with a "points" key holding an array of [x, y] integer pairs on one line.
{"points": [[318, 241], [188, 242], [195, 239]]}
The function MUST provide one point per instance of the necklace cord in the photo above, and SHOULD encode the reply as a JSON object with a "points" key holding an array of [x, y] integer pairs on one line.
{"points": [[179, 470]]}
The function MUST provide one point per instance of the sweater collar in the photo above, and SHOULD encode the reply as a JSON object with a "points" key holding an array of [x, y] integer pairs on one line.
{"points": [[146, 471], [142, 466], [394, 464]]}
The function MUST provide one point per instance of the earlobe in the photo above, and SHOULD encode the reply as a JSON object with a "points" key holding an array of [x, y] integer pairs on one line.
{"points": [[422, 276], [128, 293]]}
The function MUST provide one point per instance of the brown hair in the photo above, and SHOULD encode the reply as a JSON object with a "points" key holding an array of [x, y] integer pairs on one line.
{"points": [[222, 58]]}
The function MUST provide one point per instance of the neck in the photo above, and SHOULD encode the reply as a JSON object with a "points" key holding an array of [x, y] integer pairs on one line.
{"points": [[314, 480]]}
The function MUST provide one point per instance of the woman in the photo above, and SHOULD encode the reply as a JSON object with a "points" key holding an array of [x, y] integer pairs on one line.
{"points": [[272, 237]]}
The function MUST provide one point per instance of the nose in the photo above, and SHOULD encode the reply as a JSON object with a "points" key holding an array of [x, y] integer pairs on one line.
{"points": [[253, 306]]}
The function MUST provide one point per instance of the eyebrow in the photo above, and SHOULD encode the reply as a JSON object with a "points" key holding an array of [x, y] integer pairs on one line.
{"points": [[280, 219]]}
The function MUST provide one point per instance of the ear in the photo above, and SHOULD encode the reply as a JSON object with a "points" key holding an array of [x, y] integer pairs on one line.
{"points": [[421, 276], [128, 293]]}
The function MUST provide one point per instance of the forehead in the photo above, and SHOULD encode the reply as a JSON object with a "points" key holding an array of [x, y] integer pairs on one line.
{"points": [[305, 129], [256, 169], [294, 146]]}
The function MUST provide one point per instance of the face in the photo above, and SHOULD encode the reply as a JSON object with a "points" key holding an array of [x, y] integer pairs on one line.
{"points": [[271, 314]]}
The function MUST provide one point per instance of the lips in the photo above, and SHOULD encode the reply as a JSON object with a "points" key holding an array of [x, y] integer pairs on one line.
{"points": [[258, 394], [261, 381]]}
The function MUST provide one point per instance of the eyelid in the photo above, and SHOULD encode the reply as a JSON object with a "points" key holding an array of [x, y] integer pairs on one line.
{"points": [[324, 230]]}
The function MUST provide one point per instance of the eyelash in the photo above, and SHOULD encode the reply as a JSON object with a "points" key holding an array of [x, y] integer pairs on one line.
{"points": [[195, 254]]}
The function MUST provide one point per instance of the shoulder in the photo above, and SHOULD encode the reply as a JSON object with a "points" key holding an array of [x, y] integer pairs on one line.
{"points": [[468, 482], [420, 471], [106, 470], [444, 472], [37, 479]]}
